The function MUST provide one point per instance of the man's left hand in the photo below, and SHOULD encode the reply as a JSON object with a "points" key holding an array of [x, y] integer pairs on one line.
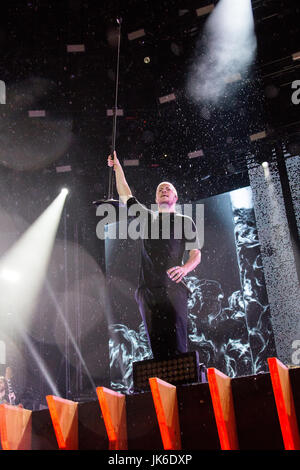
{"points": [[176, 273]]}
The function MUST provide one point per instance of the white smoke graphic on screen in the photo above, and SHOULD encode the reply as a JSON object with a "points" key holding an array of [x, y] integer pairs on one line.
{"points": [[230, 329], [224, 52]]}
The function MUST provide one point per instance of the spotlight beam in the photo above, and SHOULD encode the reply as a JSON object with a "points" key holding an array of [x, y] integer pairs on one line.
{"points": [[69, 333], [37, 358], [23, 267], [226, 49]]}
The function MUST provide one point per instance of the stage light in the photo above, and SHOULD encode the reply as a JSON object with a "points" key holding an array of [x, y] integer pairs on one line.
{"points": [[64, 191], [147, 60], [205, 10], [296, 56], [181, 369], [267, 174], [136, 34], [63, 169], [196, 154], [131, 162], [75, 48], [266, 168], [37, 113], [236, 77], [167, 98], [258, 136], [111, 112]]}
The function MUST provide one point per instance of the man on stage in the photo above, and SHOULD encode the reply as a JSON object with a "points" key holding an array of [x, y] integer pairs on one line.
{"points": [[162, 294]]}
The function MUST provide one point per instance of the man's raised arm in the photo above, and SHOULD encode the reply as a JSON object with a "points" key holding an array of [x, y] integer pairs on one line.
{"points": [[123, 189]]}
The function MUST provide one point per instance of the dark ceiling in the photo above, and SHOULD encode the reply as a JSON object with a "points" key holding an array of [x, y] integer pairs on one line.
{"points": [[77, 89]]}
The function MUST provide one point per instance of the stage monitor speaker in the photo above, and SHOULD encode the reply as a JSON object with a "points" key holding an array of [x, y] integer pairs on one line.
{"points": [[181, 369]]}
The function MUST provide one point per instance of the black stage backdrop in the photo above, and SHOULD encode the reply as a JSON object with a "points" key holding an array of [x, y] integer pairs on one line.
{"points": [[229, 317]]}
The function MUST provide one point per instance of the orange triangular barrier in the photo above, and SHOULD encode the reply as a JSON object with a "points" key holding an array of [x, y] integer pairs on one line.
{"points": [[166, 407], [113, 408], [15, 427], [222, 400], [284, 403], [64, 416]]}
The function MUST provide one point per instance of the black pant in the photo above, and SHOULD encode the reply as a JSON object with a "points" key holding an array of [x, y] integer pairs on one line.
{"points": [[164, 313]]}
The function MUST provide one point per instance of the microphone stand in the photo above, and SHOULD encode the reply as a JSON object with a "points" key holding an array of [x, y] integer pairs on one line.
{"points": [[110, 199]]}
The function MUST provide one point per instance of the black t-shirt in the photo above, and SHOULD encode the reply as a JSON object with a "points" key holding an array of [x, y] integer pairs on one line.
{"points": [[165, 237]]}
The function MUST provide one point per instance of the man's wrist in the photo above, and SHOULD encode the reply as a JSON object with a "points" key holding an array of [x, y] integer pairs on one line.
{"points": [[186, 270]]}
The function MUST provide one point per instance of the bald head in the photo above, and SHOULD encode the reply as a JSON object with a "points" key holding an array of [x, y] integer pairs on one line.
{"points": [[167, 183], [166, 196]]}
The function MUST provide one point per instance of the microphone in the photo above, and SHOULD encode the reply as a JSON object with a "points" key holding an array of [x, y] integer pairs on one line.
{"points": [[184, 284], [187, 288]]}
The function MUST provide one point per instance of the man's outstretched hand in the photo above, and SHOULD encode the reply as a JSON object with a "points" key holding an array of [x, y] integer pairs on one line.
{"points": [[176, 273]]}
